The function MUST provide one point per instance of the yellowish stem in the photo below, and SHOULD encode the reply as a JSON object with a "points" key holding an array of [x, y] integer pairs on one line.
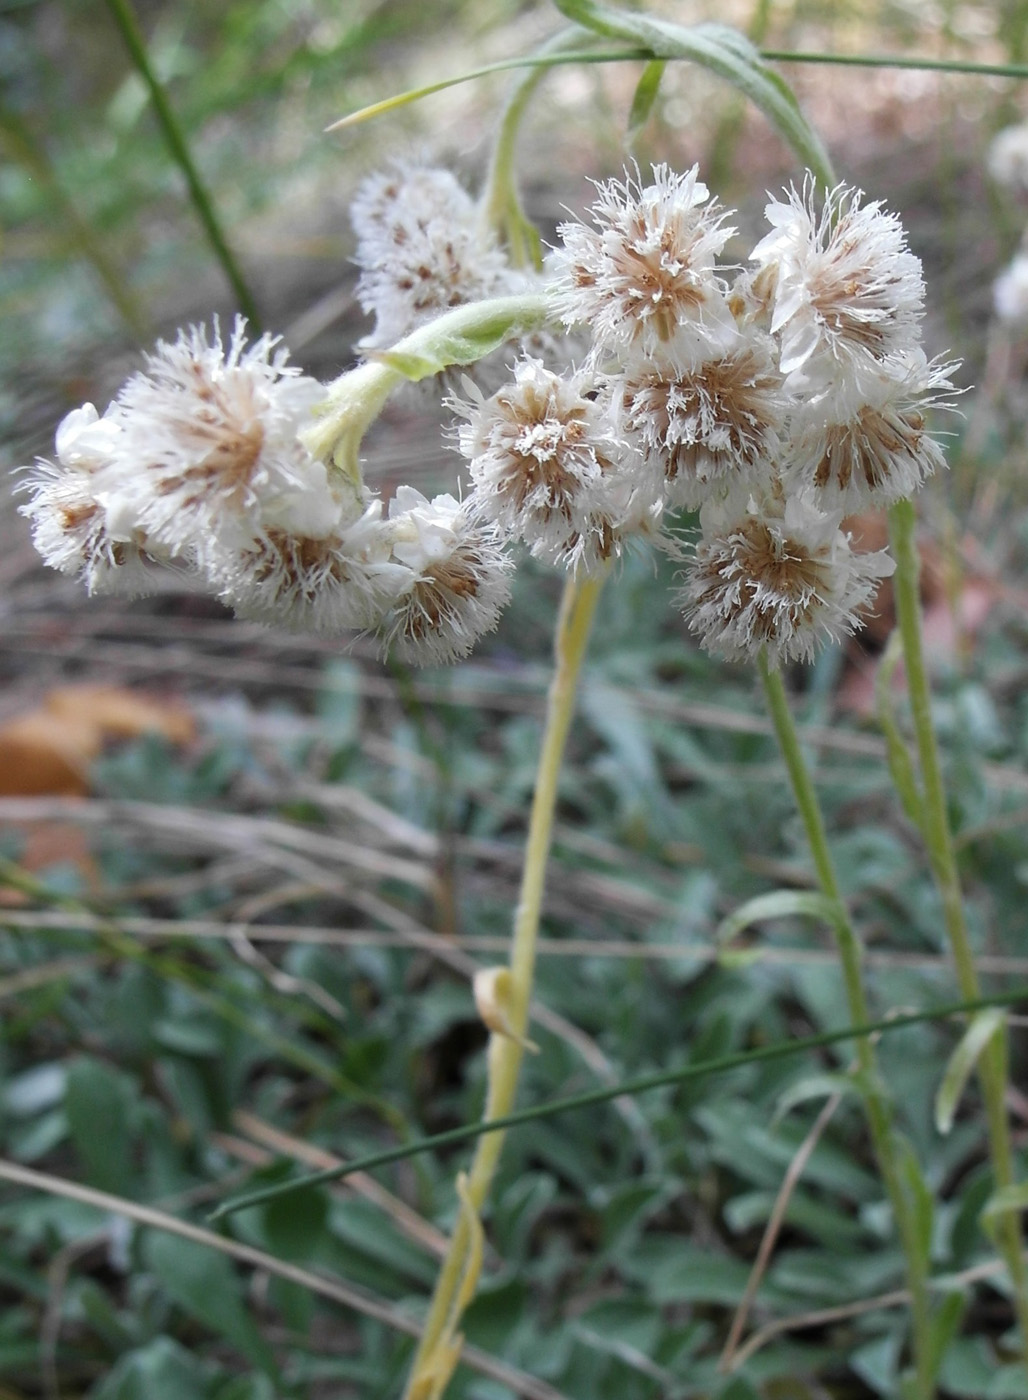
{"points": [[438, 1349]]}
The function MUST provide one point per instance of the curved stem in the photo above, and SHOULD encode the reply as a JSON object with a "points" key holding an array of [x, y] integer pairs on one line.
{"points": [[992, 1064], [438, 1350], [457, 337], [850, 956], [124, 17], [501, 208], [22, 144]]}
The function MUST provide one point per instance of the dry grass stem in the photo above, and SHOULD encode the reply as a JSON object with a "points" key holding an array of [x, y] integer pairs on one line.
{"points": [[346, 1294], [453, 950], [275, 1140], [774, 1225]]}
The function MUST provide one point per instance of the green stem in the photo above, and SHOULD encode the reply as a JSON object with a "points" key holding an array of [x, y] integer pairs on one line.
{"points": [[992, 1065], [501, 208], [457, 337], [642, 53], [506, 1050], [125, 18], [20, 141], [692, 1073], [850, 955]]}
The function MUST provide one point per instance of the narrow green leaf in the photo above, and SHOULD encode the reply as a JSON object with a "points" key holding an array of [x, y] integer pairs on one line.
{"points": [[945, 1324], [98, 1104], [725, 52], [642, 52], [551, 57], [645, 96], [1001, 1203], [204, 1285], [779, 904], [961, 1063], [124, 17], [919, 1197], [901, 764], [813, 1086]]}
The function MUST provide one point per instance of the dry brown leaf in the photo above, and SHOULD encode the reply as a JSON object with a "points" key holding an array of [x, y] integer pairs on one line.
{"points": [[122, 714], [49, 750], [44, 754]]}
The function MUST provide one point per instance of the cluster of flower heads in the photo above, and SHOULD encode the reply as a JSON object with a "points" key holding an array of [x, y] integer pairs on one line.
{"points": [[199, 466], [773, 402]]}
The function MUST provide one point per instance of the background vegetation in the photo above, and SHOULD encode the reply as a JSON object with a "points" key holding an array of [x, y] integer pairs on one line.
{"points": [[246, 942]]}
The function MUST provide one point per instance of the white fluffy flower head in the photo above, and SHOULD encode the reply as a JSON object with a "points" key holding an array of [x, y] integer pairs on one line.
{"points": [[70, 526], [706, 430], [422, 248], [778, 576], [879, 452], [645, 279], [538, 451], [459, 579], [313, 582], [208, 450], [849, 292]]}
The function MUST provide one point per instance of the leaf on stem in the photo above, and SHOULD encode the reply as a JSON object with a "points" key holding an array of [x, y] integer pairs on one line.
{"points": [[725, 52], [779, 904], [961, 1064], [645, 96], [1002, 1203], [547, 58]]}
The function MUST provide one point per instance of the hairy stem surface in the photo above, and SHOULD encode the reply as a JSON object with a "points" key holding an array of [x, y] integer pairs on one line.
{"points": [[439, 1346]]}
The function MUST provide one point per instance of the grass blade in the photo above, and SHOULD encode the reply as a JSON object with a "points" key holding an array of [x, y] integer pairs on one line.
{"points": [[124, 17], [683, 1074]]}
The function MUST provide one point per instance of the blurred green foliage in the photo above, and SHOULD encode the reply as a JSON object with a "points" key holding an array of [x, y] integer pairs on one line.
{"points": [[622, 1240]]}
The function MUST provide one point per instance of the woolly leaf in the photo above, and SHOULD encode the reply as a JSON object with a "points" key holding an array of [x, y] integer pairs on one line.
{"points": [[725, 52]]}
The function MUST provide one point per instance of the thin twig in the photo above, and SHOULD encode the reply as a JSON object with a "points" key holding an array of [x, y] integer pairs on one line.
{"points": [[775, 1221], [457, 951], [897, 1297], [819, 1318], [346, 1294], [128, 26]]}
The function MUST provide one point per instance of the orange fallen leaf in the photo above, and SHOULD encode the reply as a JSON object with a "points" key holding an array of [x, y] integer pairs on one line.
{"points": [[48, 750], [122, 714], [43, 754]]}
